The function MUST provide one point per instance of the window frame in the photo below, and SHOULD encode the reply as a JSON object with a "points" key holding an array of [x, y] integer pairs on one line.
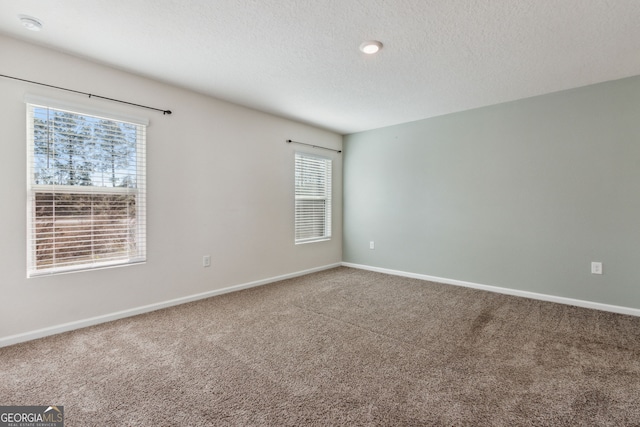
{"points": [[139, 191], [328, 197]]}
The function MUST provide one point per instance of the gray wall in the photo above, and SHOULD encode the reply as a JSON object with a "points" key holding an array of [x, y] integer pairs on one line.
{"points": [[521, 195]]}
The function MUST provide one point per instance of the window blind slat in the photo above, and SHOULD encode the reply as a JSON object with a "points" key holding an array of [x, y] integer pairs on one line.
{"points": [[312, 198], [86, 200]]}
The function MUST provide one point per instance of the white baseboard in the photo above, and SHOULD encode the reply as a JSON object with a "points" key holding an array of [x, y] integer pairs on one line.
{"points": [[507, 291], [65, 327]]}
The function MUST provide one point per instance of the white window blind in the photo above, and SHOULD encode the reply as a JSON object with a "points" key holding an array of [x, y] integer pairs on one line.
{"points": [[313, 198], [86, 203]]}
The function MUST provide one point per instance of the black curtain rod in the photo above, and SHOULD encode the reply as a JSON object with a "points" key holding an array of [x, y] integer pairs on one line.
{"points": [[88, 94], [314, 146]]}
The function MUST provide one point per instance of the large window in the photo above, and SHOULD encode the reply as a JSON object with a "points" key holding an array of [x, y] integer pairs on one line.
{"points": [[86, 191], [313, 198]]}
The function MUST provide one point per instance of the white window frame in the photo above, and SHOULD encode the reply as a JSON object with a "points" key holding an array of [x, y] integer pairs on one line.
{"points": [[137, 256], [306, 229]]}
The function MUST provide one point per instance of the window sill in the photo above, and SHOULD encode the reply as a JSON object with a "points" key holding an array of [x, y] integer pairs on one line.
{"points": [[304, 242], [80, 268]]}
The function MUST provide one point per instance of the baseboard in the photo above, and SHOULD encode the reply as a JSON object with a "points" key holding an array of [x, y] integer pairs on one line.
{"points": [[65, 327], [57, 329], [526, 294]]}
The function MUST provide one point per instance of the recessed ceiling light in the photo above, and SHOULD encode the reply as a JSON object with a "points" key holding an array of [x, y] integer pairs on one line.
{"points": [[371, 47], [30, 23]]}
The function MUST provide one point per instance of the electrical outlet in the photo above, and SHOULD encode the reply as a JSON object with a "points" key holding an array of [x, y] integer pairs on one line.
{"points": [[206, 261], [596, 268], [372, 245]]}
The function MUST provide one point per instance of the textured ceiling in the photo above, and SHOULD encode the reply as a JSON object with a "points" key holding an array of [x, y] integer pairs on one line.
{"points": [[300, 58]]}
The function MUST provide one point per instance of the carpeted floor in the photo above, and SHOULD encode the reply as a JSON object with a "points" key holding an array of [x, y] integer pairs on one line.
{"points": [[339, 347]]}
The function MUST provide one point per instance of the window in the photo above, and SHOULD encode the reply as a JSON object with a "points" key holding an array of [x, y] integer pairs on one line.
{"points": [[86, 191], [313, 198]]}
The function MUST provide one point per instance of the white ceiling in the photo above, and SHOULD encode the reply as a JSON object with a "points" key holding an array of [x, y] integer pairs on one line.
{"points": [[300, 58]]}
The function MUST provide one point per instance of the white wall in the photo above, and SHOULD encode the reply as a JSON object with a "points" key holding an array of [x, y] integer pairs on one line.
{"points": [[219, 179]]}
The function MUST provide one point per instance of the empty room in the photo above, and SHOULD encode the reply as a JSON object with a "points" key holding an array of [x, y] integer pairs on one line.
{"points": [[330, 213]]}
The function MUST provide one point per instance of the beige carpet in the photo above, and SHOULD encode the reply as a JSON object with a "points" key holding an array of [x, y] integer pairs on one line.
{"points": [[340, 347]]}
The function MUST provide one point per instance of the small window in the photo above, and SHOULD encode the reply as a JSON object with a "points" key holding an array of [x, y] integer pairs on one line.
{"points": [[313, 198], [86, 191]]}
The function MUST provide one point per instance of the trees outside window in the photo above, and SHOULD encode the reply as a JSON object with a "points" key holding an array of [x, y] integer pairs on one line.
{"points": [[86, 191]]}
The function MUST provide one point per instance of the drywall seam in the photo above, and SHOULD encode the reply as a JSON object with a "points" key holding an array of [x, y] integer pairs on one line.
{"points": [[66, 327], [514, 292]]}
